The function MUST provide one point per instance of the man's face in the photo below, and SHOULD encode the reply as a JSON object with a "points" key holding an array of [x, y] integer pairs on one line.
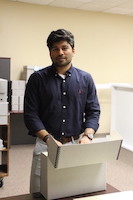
{"points": [[61, 54]]}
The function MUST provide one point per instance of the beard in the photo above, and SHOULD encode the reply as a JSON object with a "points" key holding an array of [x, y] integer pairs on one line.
{"points": [[61, 62]]}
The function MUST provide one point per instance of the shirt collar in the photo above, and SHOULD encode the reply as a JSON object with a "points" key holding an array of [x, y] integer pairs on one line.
{"points": [[68, 73]]}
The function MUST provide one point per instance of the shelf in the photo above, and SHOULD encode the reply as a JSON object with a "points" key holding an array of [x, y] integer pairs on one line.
{"points": [[16, 112], [3, 174], [3, 171], [4, 149]]}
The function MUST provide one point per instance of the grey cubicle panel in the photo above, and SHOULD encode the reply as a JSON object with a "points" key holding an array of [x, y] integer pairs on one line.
{"points": [[18, 130], [5, 68]]}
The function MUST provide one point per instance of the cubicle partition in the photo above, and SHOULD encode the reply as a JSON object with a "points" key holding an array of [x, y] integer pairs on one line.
{"points": [[122, 112]]}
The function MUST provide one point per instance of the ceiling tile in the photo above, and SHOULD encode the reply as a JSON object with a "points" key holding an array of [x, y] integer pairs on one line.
{"points": [[83, 1], [110, 2], [66, 4], [95, 6], [108, 6], [127, 5], [42, 2], [118, 10]]}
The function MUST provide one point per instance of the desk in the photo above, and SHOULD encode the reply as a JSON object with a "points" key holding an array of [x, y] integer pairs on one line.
{"points": [[110, 189], [118, 195]]}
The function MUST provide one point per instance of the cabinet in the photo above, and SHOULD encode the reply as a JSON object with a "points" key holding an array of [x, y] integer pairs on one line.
{"points": [[4, 152], [18, 130], [122, 112]]}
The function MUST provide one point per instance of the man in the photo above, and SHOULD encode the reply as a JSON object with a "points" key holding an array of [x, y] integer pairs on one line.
{"points": [[60, 101]]}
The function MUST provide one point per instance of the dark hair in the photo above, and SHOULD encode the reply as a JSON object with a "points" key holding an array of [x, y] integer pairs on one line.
{"points": [[59, 35]]}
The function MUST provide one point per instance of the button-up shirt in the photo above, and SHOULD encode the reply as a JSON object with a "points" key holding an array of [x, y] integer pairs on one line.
{"points": [[62, 106]]}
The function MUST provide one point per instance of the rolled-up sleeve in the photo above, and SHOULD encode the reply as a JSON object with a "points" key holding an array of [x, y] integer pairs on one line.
{"points": [[31, 106], [92, 108]]}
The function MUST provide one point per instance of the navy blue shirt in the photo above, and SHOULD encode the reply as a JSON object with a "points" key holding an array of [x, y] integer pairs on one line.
{"points": [[61, 106]]}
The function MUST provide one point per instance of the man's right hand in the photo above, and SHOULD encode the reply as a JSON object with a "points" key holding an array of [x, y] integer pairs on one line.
{"points": [[57, 142]]}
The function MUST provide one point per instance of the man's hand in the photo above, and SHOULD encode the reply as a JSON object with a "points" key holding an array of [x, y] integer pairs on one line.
{"points": [[57, 142], [85, 140]]}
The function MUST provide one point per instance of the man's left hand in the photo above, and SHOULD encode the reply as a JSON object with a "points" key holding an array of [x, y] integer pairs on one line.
{"points": [[85, 140]]}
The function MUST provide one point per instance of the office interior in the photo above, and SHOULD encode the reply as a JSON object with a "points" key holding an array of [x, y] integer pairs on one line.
{"points": [[103, 45]]}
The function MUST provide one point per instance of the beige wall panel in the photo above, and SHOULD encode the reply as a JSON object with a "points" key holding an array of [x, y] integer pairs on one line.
{"points": [[104, 42]]}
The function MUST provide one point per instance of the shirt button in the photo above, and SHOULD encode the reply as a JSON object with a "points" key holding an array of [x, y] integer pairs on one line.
{"points": [[69, 74], [64, 120], [62, 133], [64, 81], [64, 107], [64, 93]]}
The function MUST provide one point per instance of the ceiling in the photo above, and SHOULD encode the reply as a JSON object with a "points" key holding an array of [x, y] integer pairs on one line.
{"points": [[123, 7]]}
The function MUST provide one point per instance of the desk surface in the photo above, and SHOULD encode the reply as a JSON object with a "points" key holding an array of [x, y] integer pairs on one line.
{"points": [[110, 189], [117, 195]]}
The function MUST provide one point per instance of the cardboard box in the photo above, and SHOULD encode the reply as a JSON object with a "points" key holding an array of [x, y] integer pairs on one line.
{"points": [[75, 169], [28, 70], [16, 92], [3, 119], [14, 99], [3, 97], [59, 183], [21, 100], [3, 86], [17, 103], [103, 149], [3, 108], [18, 85], [3, 90], [21, 107], [14, 107]]}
